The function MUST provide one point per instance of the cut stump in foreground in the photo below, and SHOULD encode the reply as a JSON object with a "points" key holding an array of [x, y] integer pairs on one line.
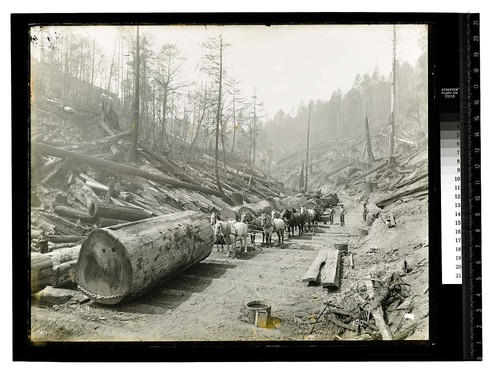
{"points": [[121, 263]]}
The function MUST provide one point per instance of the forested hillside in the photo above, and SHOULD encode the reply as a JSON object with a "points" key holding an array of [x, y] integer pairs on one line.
{"points": [[344, 113]]}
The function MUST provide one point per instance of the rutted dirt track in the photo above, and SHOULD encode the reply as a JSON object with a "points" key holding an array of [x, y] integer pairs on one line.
{"points": [[207, 301]]}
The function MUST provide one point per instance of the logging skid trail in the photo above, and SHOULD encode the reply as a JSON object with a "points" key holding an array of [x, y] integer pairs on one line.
{"points": [[207, 301]]}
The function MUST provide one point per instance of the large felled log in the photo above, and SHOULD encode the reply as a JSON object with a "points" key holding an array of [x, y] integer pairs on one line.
{"points": [[64, 255], [167, 164], [65, 239], [219, 202], [64, 265], [288, 202], [369, 172], [117, 167], [66, 211], [61, 225], [262, 207], [102, 142], [98, 210], [400, 194], [104, 222], [83, 193], [41, 271], [123, 262], [64, 274], [412, 180]]}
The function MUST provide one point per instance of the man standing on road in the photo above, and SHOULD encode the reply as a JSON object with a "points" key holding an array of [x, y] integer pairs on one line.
{"points": [[342, 215], [365, 211], [331, 214]]}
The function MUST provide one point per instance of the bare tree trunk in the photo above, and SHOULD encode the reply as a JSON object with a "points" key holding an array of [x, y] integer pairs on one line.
{"points": [[217, 123], [200, 121], [393, 100], [135, 115], [108, 87], [307, 150], [254, 132], [234, 117], [163, 115], [371, 159], [92, 73]]}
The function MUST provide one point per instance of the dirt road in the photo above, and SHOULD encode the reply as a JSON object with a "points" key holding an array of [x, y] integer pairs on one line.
{"points": [[207, 301]]}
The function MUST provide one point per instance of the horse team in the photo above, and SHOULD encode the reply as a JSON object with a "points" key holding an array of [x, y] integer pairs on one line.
{"points": [[231, 231]]}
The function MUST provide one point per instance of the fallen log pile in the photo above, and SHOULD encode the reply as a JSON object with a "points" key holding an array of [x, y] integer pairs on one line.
{"points": [[81, 180]]}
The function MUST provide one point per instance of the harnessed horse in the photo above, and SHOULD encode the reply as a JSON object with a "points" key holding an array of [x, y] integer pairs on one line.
{"points": [[269, 226], [253, 225], [232, 233], [293, 219], [218, 239], [312, 215]]}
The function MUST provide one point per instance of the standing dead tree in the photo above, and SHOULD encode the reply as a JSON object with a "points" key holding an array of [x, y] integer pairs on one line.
{"points": [[212, 64], [392, 138], [135, 115], [369, 151]]}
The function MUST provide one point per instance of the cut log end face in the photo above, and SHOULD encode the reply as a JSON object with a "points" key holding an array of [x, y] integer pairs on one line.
{"points": [[123, 262], [104, 268]]}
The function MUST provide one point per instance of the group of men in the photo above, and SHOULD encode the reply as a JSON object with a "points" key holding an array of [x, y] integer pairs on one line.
{"points": [[342, 213]]}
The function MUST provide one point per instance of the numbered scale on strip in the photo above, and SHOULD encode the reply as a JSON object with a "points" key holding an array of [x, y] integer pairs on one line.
{"points": [[451, 205]]}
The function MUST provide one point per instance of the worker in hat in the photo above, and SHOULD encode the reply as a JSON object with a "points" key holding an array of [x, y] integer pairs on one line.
{"points": [[365, 211], [342, 215]]}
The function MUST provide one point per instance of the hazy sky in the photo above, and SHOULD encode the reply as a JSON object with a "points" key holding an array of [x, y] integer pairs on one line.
{"points": [[288, 63]]}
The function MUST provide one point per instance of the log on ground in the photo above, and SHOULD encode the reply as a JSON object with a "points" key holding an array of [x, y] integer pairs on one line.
{"points": [[330, 274], [262, 207], [41, 271], [66, 211], [117, 167], [120, 263], [313, 272], [99, 210]]}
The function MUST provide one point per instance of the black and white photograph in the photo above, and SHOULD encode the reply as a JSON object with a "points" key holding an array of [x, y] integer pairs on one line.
{"points": [[229, 183]]}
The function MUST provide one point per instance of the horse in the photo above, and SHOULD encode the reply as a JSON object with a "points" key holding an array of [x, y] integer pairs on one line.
{"points": [[218, 239], [253, 225], [269, 226], [232, 233], [312, 215], [293, 219]]}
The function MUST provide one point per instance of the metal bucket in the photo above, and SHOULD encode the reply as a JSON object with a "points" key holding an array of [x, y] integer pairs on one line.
{"points": [[258, 312], [343, 248]]}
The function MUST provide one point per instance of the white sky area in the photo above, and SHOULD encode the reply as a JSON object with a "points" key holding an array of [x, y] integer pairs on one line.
{"points": [[286, 63]]}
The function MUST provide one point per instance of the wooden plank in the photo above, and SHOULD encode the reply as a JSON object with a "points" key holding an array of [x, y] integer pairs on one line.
{"points": [[313, 271], [378, 314], [331, 270]]}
